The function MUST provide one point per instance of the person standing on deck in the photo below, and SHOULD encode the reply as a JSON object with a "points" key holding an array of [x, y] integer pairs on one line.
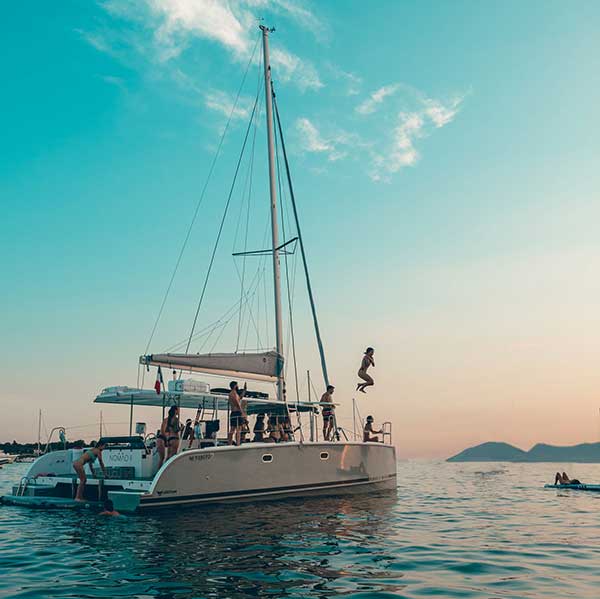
{"points": [[327, 411], [89, 456], [236, 413], [170, 430], [367, 361]]}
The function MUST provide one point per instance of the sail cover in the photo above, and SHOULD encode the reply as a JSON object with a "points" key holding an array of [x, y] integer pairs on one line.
{"points": [[265, 366]]}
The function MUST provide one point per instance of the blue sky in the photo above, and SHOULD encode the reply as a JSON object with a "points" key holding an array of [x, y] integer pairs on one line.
{"points": [[445, 160]]}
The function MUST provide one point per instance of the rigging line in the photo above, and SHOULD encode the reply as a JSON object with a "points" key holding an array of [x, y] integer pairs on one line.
{"points": [[246, 304], [287, 273], [251, 172], [216, 323], [200, 200], [212, 258], [222, 331], [302, 250]]}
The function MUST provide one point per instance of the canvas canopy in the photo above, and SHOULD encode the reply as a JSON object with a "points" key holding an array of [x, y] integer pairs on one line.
{"points": [[127, 396]]}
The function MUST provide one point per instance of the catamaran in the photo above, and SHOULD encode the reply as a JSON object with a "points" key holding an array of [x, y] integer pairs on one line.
{"points": [[208, 469]]}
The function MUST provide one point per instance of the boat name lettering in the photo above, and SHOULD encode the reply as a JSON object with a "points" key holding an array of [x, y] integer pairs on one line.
{"points": [[167, 492], [201, 457], [119, 457]]}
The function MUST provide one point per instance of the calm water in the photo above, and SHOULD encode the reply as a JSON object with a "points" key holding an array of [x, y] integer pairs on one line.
{"points": [[450, 530]]}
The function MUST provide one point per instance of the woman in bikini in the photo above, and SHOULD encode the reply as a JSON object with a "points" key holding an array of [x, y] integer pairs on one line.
{"points": [[563, 479], [368, 432], [89, 456], [169, 431], [367, 361]]}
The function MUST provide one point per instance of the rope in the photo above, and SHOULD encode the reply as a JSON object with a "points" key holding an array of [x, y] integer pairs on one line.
{"points": [[200, 200]]}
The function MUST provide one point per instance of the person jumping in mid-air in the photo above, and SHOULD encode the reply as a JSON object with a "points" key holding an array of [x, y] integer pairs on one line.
{"points": [[367, 361]]}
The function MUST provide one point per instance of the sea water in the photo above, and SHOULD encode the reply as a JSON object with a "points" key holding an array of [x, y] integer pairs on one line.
{"points": [[449, 530]]}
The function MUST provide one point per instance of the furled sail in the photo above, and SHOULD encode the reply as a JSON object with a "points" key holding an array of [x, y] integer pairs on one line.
{"points": [[265, 366]]}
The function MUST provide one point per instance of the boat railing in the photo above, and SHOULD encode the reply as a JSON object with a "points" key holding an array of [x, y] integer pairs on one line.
{"points": [[386, 431], [61, 436], [23, 483]]}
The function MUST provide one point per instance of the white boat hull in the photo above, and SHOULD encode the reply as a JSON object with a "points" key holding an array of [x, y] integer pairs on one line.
{"points": [[265, 471]]}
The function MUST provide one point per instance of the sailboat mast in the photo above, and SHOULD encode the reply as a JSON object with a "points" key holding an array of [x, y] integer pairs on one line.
{"points": [[273, 196]]}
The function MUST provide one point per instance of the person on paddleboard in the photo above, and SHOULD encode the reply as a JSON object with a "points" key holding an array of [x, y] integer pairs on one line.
{"points": [[563, 479]]}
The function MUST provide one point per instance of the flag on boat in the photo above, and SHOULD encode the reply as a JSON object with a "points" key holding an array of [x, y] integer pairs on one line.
{"points": [[159, 381]]}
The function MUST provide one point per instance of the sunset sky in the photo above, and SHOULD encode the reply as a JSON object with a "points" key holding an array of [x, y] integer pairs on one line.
{"points": [[445, 161]]}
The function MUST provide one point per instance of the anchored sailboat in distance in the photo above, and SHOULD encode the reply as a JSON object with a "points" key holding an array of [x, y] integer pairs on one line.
{"points": [[207, 469]]}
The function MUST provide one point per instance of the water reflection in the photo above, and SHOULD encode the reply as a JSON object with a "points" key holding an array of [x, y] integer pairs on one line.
{"points": [[246, 550]]}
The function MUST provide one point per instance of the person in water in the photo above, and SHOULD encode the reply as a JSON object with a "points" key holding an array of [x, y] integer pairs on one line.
{"points": [[366, 363], [236, 414], [563, 479], [368, 432], [327, 411], [109, 509], [89, 456], [169, 430]]}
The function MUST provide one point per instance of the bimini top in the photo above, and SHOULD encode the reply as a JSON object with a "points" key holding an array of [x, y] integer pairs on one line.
{"points": [[263, 366], [128, 396]]}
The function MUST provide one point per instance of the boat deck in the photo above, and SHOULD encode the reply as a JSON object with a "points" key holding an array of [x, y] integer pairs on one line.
{"points": [[48, 502]]}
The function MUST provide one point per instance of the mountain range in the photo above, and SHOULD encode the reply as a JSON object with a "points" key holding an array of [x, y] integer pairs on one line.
{"points": [[542, 452]]}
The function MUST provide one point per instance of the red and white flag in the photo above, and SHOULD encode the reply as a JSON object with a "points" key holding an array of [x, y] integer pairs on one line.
{"points": [[159, 381]]}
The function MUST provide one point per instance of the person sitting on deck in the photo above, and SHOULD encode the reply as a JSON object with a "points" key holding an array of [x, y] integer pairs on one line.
{"points": [[197, 432], [170, 431], [563, 479], [89, 456], [245, 430], [286, 429], [273, 430], [368, 431], [109, 509], [328, 412], [259, 429], [188, 431], [367, 361], [236, 415]]}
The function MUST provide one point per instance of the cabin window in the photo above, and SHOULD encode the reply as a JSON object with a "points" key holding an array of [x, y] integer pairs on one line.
{"points": [[324, 455], [267, 457]]}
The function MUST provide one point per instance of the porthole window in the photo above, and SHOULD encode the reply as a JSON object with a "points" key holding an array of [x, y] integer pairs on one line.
{"points": [[324, 455], [267, 457]]}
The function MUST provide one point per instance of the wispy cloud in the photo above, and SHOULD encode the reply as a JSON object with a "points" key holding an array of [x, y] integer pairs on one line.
{"points": [[312, 139], [399, 149], [396, 130], [352, 83], [224, 103], [291, 68], [172, 26], [335, 143], [371, 104], [441, 114]]}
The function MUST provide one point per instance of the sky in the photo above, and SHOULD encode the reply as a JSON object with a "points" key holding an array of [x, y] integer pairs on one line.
{"points": [[445, 163]]}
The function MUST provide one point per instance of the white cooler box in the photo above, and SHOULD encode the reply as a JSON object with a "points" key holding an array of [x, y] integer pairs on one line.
{"points": [[188, 386]]}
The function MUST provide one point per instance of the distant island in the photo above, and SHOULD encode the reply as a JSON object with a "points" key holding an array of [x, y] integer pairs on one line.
{"points": [[504, 452]]}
